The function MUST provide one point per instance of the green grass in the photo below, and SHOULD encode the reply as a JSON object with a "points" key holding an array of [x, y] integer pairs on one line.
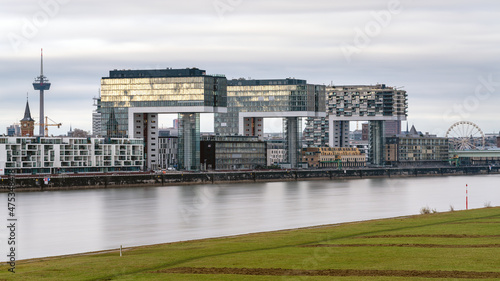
{"points": [[465, 241]]}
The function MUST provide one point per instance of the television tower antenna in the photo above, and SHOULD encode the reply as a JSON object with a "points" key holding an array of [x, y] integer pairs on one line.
{"points": [[41, 84]]}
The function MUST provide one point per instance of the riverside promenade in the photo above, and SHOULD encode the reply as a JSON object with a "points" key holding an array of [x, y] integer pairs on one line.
{"points": [[101, 180]]}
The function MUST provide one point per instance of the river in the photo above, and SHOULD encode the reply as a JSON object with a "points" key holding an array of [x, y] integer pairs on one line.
{"points": [[67, 222]]}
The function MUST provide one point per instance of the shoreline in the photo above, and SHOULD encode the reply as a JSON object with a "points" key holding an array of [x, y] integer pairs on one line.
{"points": [[326, 251], [124, 249], [36, 183]]}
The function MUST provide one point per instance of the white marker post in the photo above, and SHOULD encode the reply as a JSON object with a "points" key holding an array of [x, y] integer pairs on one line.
{"points": [[467, 197]]}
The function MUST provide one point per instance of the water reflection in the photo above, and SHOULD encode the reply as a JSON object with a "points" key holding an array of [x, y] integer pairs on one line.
{"points": [[65, 222]]}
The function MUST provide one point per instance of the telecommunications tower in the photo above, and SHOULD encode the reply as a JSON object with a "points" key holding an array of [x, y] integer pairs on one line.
{"points": [[41, 84]]}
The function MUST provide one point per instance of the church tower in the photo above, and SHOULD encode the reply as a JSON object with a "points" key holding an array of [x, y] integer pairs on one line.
{"points": [[27, 123]]}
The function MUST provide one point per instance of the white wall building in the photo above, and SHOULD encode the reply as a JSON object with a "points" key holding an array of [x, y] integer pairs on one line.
{"points": [[39, 155]]}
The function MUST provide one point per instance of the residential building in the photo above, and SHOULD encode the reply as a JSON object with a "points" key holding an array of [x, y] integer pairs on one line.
{"points": [[276, 153], [416, 149], [44, 155], [232, 153], [167, 151], [376, 104], [333, 157]]}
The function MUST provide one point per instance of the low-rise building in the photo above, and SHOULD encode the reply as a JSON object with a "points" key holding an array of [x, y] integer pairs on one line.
{"points": [[232, 153], [43, 155], [333, 157], [276, 153], [477, 157], [416, 149]]}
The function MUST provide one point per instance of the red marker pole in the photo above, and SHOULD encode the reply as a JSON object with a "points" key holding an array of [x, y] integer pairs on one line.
{"points": [[466, 197]]}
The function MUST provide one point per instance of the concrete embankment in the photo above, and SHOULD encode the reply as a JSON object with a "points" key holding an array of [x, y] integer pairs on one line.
{"points": [[94, 181]]}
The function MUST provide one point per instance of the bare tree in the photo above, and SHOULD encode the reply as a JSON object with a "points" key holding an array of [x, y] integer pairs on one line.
{"points": [[79, 133]]}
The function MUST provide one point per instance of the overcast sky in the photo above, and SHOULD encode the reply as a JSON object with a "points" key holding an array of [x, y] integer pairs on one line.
{"points": [[444, 53]]}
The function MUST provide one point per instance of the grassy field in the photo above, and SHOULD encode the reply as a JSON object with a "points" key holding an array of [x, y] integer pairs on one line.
{"points": [[460, 245]]}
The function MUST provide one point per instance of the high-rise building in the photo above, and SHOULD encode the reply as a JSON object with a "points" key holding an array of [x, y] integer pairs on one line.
{"points": [[131, 101], [13, 130], [251, 101], [365, 131], [96, 118], [392, 128], [168, 149], [375, 104]]}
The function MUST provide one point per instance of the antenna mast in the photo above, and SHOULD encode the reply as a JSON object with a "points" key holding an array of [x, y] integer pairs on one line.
{"points": [[41, 84]]}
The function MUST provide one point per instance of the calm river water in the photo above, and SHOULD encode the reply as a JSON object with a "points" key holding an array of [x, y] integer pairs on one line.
{"points": [[67, 222]]}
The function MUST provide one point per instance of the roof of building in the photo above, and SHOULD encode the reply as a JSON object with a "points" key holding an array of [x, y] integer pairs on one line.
{"points": [[265, 82], [27, 113], [152, 73]]}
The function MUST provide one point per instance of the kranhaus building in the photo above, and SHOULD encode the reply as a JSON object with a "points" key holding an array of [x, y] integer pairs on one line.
{"points": [[131, 101], [249, 102]]}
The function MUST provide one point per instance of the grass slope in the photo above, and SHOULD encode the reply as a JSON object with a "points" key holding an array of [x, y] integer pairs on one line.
{"points": [[461, 245]]}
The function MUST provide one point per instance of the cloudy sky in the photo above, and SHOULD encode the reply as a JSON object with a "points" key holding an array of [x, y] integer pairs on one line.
{"points": [[444, 53]]}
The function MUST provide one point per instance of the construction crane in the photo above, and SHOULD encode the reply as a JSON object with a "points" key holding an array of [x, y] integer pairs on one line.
{"points": [[46, 125]]}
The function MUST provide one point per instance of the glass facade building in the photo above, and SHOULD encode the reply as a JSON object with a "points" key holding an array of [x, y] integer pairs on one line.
{"points": [[132, 99], [232, 153], [271, 97], [249, 102]]}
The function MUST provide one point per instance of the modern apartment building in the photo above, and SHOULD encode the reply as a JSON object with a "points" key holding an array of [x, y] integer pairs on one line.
{"points": [[375, 104], [43, 155], [167, 152]]}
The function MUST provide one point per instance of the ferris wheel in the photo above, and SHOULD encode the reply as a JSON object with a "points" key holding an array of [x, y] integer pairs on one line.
{"points": [[465, 135]]}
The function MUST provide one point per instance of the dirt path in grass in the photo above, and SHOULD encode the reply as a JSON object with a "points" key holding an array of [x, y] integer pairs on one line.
{"points": [[404, 245], [333, 272], [430, 236]]}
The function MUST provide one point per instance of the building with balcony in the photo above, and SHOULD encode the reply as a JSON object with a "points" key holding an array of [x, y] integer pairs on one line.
{"points": [[376, 104], [43, 155]]}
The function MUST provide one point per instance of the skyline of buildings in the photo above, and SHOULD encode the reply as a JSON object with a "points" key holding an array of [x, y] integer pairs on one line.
{"points": [[130, 102]]}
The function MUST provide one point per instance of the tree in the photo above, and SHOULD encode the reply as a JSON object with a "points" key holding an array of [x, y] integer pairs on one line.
{"points": [[79, 133]]}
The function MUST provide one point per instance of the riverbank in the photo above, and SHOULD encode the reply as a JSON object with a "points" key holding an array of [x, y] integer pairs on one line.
{"points": [[438, 245], [99, 181]]}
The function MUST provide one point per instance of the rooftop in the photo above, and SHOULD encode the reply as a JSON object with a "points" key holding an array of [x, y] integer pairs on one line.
{"points": [[151, 73], [265, 82]]}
